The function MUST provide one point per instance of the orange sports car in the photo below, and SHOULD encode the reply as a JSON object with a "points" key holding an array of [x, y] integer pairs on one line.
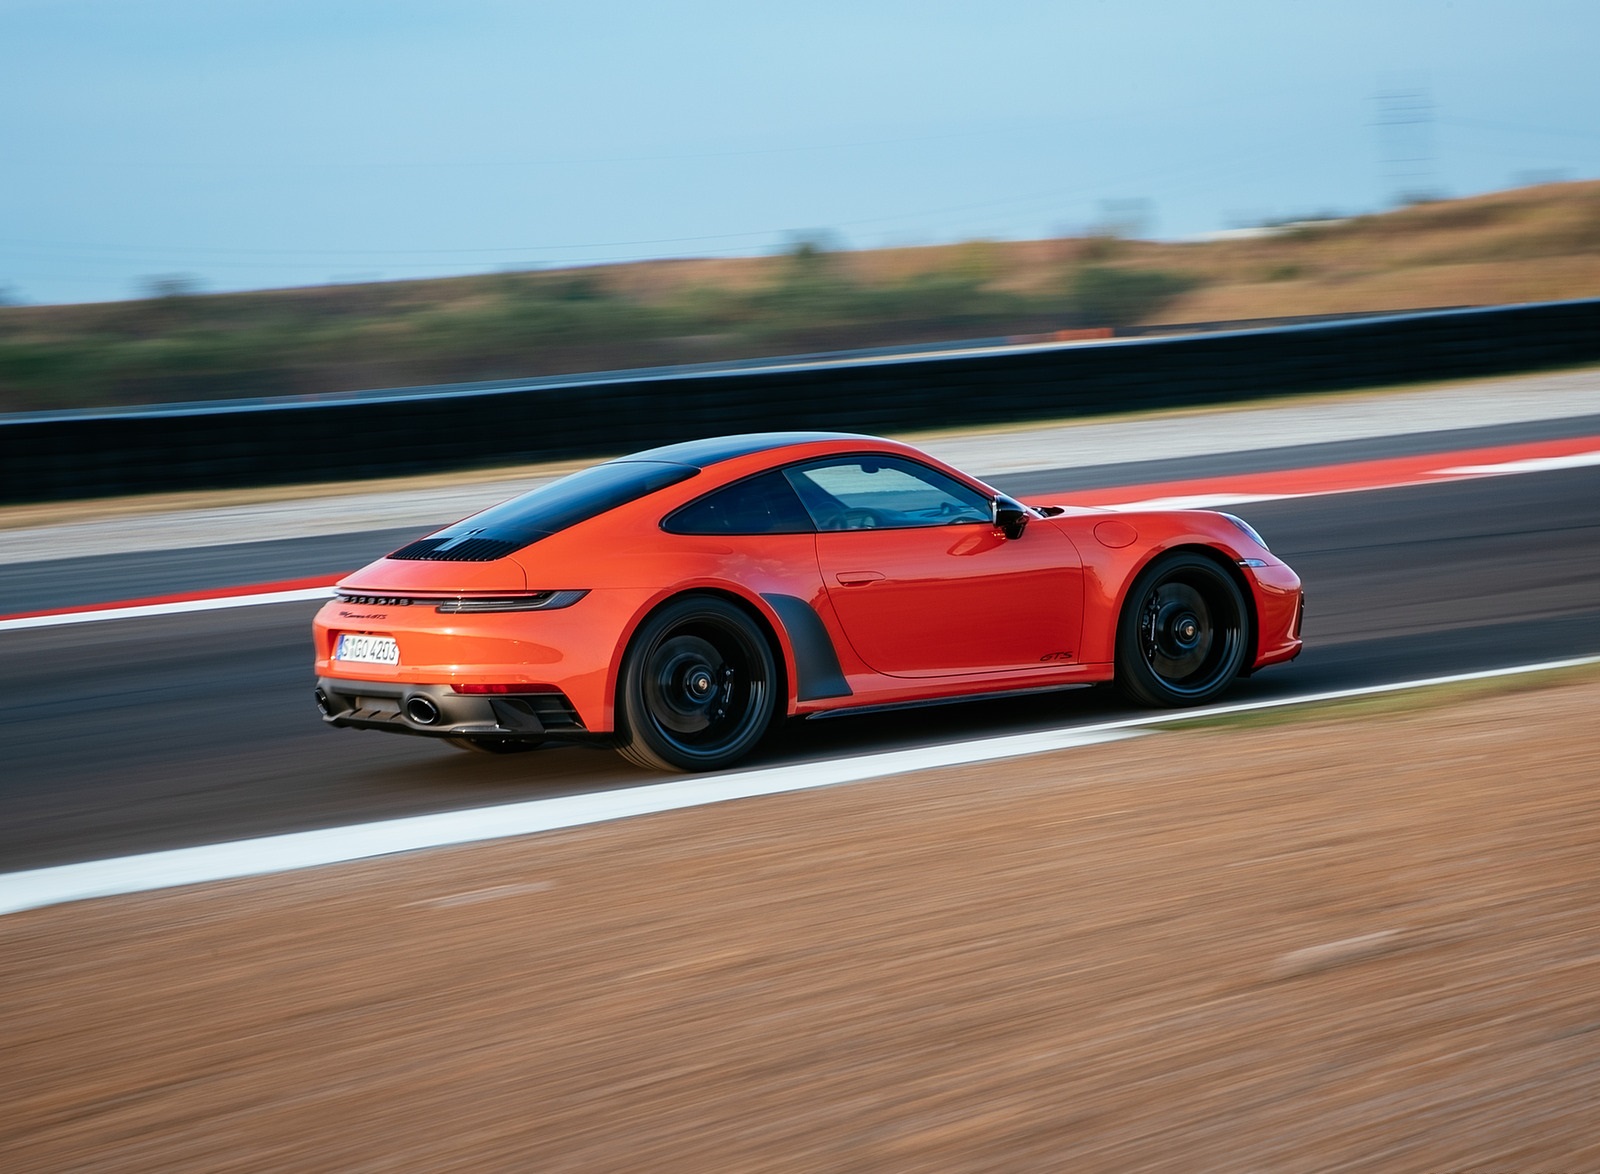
{"points": [[675, 604]]}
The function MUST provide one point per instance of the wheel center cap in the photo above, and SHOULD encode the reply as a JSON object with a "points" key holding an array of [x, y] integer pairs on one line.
{"points": [[1185, 631], [1178, 631], [699, 684]]}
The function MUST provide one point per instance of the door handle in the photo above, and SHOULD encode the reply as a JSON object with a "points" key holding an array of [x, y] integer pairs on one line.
{"points": [[857, 578]]}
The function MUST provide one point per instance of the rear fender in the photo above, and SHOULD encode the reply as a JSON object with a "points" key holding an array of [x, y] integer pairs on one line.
{"points": [[766, 619]]}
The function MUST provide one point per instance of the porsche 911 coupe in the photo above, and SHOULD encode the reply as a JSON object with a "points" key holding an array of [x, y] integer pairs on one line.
{"points": [[677, 603]]}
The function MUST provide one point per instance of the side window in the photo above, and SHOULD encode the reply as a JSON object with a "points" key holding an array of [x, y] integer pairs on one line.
{"points": [[869, 493], [757, 505]]}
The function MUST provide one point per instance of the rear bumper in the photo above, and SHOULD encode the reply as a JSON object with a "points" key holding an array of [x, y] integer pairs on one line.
{"points": [[572, 649], [438, 711]]}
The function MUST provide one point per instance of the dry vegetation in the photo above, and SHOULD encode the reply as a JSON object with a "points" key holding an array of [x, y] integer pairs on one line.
{"points": [[1530, 244]]}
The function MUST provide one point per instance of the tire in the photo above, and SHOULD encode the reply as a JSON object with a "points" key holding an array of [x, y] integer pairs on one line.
{"points": [[1183, 634], [491, 744], [698, 688]]}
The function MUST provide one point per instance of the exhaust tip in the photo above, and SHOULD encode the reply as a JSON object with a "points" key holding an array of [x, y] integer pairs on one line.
{"points": [[422, 710], [324, 706]]}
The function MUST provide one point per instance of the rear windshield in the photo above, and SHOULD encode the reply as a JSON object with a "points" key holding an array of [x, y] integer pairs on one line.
{"points": [[511, 525]]}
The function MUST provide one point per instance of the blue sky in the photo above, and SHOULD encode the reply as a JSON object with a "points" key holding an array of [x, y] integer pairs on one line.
{"points": [[248, 144]]}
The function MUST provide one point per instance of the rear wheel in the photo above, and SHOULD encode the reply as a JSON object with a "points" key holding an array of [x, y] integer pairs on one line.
{"points": [[699, 687], [1183, 633]]}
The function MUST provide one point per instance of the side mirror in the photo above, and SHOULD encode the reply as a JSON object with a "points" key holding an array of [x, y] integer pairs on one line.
{"points": [[1010, 516]]}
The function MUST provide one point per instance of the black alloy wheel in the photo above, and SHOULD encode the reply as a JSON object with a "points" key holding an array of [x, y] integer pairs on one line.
{"points": [[698, 689], [1184, 632]]}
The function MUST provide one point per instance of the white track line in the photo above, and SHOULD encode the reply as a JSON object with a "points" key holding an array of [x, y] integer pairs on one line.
{"points": [[284, 853], [1170, 718], [1578, 460], [216, 603], [213, 862], [1211, 501]]}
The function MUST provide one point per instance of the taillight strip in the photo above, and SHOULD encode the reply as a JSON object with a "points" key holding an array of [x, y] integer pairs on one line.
{"points": [[542, 601]]}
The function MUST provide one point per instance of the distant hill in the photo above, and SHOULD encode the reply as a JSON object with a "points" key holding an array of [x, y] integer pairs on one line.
{"points": [[1529, 244]]}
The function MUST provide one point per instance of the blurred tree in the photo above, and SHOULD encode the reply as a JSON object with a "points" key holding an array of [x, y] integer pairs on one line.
{"points": [[1102, 295], [811, 252], [171, 285], [976, 261]]}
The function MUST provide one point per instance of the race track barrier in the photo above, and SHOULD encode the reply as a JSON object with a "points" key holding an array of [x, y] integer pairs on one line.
{"points": [[80, 454]]}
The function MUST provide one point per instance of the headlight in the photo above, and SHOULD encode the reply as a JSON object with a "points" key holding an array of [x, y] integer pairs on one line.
{"points": [[1248, 529]]}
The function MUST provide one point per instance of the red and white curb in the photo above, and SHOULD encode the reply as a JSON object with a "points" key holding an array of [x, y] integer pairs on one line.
{"points": [[298, 850], [1354, 477]]}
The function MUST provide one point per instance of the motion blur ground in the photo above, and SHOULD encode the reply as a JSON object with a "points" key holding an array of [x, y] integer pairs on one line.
{"points": [[1344, 941]]}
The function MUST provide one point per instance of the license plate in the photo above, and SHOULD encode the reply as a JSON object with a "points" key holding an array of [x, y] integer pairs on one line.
{"points": [[370, 649]]}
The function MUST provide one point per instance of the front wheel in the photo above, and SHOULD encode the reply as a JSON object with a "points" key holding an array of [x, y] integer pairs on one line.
{"points": [[1183, 634], [699, 687]]}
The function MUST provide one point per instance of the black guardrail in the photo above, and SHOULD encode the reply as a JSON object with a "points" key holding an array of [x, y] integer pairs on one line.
{"points": [[59, 456]]}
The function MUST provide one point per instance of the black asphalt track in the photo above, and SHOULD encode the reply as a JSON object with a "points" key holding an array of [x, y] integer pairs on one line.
{"points": [[137, 735]]}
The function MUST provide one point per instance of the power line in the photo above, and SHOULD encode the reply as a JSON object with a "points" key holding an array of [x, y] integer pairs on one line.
{"points": [[1405, 121]]}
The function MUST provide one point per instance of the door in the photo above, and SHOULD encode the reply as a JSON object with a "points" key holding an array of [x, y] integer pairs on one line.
{"points": [[923, 583]]}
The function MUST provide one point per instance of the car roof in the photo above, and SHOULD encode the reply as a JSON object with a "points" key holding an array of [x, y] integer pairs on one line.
{"points": [[711, 450]]}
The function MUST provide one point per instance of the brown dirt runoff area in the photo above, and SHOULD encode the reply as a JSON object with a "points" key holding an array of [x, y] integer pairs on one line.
{"points": [[1340, 942]]}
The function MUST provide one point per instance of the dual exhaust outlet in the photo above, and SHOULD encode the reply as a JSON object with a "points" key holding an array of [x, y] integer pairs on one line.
{"points": [[422, 710]]}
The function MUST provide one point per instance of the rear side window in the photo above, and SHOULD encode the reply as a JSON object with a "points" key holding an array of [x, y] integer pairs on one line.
{"points": [[513, 524], [757, 505]]}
